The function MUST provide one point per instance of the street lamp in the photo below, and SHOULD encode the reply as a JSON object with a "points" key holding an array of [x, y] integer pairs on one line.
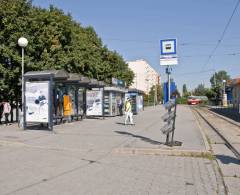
{"points": [[224, 99], [22, 42], [224, 86]]}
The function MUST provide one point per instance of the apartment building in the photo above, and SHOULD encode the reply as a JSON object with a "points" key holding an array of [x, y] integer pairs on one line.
{"points": [[145, 75]]}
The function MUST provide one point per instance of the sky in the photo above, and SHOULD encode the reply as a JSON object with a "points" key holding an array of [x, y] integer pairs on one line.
{"points": [[134, 29]]}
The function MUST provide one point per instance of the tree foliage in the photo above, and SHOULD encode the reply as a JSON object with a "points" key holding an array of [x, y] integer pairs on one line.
{"points": [[217, 84], [56, 41], [218, 77], [185, 92], [200, 90]]}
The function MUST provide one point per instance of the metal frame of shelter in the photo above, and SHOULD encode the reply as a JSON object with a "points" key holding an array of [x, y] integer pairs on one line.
{"points": [[51, 76], [109, 91], [80, 82]]}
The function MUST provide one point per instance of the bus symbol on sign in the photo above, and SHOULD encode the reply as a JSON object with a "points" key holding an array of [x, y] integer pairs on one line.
{"points": [[168, 47]]}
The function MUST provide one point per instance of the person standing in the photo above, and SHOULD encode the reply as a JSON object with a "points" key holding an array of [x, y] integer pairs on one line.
{"points": [[128, 112], [6, 111], [120, 107]]}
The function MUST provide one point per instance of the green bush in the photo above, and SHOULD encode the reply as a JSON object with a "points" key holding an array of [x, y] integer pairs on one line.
{"points": [[182, 100]]}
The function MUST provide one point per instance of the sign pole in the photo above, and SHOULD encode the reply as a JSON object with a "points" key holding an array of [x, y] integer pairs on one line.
{"points": [[169, 91], [168, 57], [169, 82]]}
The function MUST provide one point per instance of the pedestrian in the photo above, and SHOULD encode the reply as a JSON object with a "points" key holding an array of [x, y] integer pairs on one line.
{"points": [[6, 111], [1, 112], [128, 112]]}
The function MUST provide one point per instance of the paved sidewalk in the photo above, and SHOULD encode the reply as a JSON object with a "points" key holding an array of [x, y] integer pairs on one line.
{"points": [[92, 157]]}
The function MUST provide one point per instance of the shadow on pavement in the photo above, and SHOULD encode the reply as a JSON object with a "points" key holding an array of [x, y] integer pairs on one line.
{"points": [[227, 112], [119, 123], [146, 139], [40, 127], [228, 159]]}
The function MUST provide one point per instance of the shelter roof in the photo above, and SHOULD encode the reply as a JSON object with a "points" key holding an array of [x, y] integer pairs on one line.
{"points": [[56, 74], [134, 90]]}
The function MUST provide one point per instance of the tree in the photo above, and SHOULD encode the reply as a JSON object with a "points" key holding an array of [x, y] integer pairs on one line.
{"points": [[200, 90], [185, 92], [217, 84], [156, 91], [218, 77], [56, 41]]}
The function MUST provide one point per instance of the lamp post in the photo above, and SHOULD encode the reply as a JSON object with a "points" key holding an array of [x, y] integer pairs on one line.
{"points": [[224, 94], [22, 42], [224, 83]]}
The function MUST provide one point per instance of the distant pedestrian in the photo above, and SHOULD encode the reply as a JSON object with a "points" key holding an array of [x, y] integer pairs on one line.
{"points": [[120, 107], [6, 111], [128, 112]]}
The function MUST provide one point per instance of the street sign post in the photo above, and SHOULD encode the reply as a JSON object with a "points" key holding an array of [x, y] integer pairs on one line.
{"points": [[168, 57]]}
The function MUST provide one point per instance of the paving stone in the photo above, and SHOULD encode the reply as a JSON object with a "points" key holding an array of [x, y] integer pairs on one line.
{"points": [[79, 159]]}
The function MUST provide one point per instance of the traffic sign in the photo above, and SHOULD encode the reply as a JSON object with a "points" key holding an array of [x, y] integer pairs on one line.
{"points": [[168, 47], [168, 52]]}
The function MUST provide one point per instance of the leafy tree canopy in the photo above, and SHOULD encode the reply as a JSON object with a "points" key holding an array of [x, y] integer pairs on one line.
{"points": [[56, 41], [200, 90], [218, 77]]}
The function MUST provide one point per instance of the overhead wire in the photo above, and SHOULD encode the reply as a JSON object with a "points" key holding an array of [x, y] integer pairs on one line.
{"points": [[222, 35], [219, 41], [197, 72]]}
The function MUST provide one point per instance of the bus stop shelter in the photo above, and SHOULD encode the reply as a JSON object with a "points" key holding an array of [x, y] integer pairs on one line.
{"points": [[136, 96], [54, 95]]}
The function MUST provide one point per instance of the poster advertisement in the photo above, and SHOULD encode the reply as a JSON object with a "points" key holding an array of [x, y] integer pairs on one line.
{"points": [[37, 100], [67, 105], [140, 102], [94, 102]]}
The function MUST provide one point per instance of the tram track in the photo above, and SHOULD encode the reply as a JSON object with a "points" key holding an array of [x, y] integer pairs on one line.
{"points": [[225, 140]]}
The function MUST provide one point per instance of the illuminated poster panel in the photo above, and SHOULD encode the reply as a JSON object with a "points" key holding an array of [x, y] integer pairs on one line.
{"points": [[95, 102], [37, 101]]}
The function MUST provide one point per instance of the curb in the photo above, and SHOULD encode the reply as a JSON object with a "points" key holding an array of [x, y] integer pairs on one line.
{"points": [[202, 131], [166, 152]]}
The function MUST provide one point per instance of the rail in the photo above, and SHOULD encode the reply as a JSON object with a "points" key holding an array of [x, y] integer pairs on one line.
{"points": [[227, 143]]}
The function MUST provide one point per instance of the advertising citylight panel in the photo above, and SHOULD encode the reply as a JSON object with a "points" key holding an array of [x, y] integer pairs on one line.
{"points": [[37, 101], [95, 102]]}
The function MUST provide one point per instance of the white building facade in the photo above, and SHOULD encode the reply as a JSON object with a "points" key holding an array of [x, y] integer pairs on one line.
{"points": [[145, 75]]}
